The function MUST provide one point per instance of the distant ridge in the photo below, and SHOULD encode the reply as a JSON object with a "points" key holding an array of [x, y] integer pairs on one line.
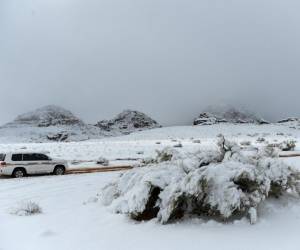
{"points": [[226, 114]]}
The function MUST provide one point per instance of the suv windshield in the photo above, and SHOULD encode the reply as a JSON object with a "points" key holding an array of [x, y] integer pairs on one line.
{"points": [[2, 157]]}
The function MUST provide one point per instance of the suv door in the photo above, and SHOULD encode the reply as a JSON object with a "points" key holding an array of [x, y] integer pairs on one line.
{"points": [[17, 161], [46, 163], [37, 163]]}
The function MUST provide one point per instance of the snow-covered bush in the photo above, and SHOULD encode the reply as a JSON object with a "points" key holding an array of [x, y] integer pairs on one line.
{"points": [[196, 141], [27, 209], [288, 145], [166, 154], [261, 139], [245, 143], [178, 145], [103, 161], [224, 184]]}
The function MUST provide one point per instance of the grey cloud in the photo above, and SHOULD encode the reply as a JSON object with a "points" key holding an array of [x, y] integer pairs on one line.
{"points": [[168, 58]]}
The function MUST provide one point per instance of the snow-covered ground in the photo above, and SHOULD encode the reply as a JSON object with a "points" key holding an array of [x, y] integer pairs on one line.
{"points": [[72, 219], [144, 144], [70, 222]]}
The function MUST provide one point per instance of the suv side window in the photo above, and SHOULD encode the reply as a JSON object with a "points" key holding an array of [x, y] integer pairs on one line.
{"points": [[16, 157], [42, 157], [35, 157], [2, 157]]}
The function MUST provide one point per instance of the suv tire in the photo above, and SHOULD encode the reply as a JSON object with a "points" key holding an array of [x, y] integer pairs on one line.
{"points": [[59, 170], [19, 173]]}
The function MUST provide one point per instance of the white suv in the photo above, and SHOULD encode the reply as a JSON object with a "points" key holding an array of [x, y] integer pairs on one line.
{"points": [[29, 163]]}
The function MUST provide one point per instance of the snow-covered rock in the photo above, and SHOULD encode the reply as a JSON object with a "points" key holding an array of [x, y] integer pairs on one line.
{"points": [[127, 122], [226, 114], [291, 119]]}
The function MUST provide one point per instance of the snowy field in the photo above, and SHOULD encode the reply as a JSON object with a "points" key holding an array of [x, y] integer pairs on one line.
{"points": [[144, 144], [70, 222], [72, 218]]}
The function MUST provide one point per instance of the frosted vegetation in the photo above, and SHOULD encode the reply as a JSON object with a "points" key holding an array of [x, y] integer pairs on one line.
{"points": [[223, 184], [288, 145], [28, 208]]}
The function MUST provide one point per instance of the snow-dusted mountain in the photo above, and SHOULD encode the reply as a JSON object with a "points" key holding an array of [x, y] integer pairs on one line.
{"points": [[226, 114], [47, 116], [49, 123], [53, 123], [127, 122]]}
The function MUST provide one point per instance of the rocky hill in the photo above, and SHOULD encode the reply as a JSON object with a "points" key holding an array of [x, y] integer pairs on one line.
{"points": [[127, 122], [47, 116], [53, 123], [226, 114], [49, 123]]}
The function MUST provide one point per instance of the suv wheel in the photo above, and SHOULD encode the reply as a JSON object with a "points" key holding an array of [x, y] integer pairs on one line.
{"points": [[60, 170], [19, 173]]}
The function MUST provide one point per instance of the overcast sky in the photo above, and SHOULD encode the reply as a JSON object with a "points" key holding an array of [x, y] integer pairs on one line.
{"points": [[168, 58]]}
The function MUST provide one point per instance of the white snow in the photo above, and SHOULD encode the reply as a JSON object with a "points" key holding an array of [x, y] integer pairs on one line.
{"points": [[231, 181], [146, 141], [67, 224], [73, 219]]}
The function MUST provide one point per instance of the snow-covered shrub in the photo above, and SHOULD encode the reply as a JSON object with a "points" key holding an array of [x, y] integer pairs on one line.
{"points": [[103, 161], [261, 139], [196, 141], [253, 135], [245, 143], [27, 209], [224, 184], [166, 154], [178, 145], [288, 145]]}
